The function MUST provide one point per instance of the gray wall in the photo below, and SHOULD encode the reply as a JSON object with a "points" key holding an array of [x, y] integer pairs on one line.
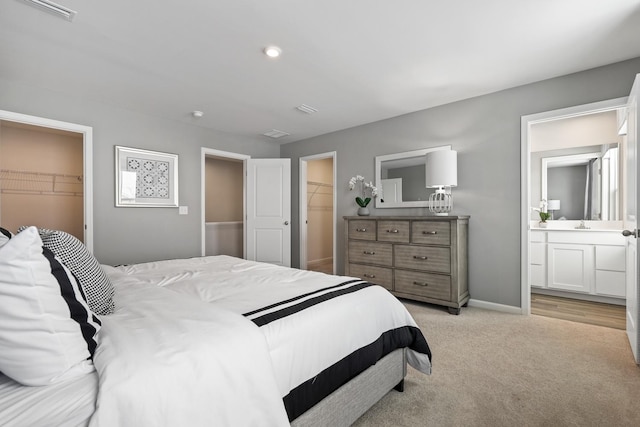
{"points": [[130, 235], [486, 133]]}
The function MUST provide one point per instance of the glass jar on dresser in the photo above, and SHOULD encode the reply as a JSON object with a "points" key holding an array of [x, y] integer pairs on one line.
{"points": [[417, 258]]}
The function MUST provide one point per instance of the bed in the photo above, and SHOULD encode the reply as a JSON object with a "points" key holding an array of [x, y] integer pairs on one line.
{"points": [[239, 342]]}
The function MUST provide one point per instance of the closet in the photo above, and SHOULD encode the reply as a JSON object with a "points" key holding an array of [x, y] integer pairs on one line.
{"points": [[320, 215], [41, 178], [224, 206]]}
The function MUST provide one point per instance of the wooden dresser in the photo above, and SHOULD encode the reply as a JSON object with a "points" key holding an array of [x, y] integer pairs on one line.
{"points": [[418, 258]]}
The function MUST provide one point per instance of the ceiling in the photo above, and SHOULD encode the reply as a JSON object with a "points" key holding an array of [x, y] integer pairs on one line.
{"points": [[355, 61]]}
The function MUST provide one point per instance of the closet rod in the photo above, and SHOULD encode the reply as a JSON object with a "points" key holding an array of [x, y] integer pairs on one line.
{"points": [[41, 183]]}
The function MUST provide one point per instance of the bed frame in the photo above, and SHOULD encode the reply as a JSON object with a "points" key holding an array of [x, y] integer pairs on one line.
{"points": [[345, 405]]}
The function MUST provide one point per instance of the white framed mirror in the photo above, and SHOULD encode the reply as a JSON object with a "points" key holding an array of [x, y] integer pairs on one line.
{"points": [[400, 178], [583, 186]]}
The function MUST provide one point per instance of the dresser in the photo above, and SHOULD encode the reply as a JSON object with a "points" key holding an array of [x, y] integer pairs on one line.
{"points": [[417, 258]]}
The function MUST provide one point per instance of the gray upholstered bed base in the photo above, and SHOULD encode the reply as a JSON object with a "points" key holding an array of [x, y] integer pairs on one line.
{"points": [[345, 405]]}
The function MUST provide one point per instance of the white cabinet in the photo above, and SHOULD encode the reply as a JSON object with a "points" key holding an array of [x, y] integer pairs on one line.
{"points": [[538, 252], [610, 270], [588, 262], [570, 267]]}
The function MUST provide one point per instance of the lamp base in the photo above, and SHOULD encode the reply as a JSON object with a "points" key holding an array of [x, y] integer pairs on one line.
{"points": [[440, 203]]}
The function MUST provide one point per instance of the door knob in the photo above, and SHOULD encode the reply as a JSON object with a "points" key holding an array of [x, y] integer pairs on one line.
{"points": [[286, 223], [628, 233]]}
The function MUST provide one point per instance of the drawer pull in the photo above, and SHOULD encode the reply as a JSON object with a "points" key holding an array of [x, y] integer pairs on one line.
{"points": [[361, 230], [422, 258], [393, 231], [421, 283], [369, 276], [368, 252], [429, 232]]}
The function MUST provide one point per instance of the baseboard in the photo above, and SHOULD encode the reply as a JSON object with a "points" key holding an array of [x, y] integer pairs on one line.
{"points": [[495, 307]]}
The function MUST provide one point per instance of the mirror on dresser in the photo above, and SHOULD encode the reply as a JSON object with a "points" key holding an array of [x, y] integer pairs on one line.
{"points": [[400, 178]]}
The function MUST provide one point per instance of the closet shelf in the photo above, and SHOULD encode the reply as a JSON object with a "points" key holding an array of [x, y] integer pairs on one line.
{"points": [[25, 182], [319, 189]]}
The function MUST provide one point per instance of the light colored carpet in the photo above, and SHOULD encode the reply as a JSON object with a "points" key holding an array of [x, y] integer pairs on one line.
{"points": [[497, 369]]}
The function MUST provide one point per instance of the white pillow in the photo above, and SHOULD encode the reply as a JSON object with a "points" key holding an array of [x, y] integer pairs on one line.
{"points": [[96, 285], [47, 332]]}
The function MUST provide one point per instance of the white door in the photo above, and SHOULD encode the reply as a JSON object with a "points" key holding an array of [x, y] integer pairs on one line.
{"points": [[268, 208], [630, 220]]}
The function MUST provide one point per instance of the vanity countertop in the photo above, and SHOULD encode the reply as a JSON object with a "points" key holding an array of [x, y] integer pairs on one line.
{"points": [[596, 226], [577, 229]]}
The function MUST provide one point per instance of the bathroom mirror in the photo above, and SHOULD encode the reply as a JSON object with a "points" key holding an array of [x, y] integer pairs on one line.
{"points": [[400, 179], [583, 186]]}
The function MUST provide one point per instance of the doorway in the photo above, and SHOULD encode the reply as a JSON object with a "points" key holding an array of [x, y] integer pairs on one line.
{"points": [[262, 193], [318, 212], [551, 265], [46, 175], [223, 203]]}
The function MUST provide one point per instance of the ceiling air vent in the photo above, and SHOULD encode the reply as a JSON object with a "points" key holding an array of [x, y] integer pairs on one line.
{"points": [[307, 109], [275, 133]]}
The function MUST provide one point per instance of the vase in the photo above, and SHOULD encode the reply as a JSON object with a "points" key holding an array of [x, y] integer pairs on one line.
{"points": [[363, 211], [542, 224]]}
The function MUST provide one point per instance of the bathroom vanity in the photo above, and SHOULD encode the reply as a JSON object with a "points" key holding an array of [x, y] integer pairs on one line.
{"points": [[587, 261]]}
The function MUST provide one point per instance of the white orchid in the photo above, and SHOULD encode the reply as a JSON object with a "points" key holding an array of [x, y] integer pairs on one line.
{"points": [[364, 186]]}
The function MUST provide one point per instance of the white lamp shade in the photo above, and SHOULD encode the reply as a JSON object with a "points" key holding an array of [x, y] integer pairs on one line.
{"points": [[441, 168], [553, 205]]}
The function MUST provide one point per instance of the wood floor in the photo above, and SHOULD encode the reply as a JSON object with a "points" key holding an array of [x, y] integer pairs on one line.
{"points": [[325, 266], [594, 313]]}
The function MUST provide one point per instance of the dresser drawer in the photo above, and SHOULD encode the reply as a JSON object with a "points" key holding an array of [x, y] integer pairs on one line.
{"points": [[370, 253], [431, 232], [423, 258], [379, 275], [424, 284], [363, 229], [393, 231]]}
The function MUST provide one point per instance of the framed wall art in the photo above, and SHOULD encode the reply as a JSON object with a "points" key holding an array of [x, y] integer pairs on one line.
{"points": [[146, 178]]}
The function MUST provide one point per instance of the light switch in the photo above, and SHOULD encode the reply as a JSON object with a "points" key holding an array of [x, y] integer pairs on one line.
{"points": [[183, 210]]}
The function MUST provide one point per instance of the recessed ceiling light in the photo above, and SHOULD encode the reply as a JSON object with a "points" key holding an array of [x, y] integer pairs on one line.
{"points": [[197, 114], [54, 8], [272, 51]]}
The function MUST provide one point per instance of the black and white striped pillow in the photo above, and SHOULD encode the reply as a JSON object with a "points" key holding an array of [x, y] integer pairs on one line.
{"points": [[5, 235], [47, 331], [77, 258]]}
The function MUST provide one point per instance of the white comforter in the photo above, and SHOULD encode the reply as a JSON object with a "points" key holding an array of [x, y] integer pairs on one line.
{"points": [[166, 359], [301, 345]]}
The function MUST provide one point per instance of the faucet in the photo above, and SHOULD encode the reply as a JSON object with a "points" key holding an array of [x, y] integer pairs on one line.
{"points": [[582, 226]]}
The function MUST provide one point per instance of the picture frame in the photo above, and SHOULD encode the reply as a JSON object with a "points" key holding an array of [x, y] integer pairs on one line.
{"points": [[146, 178]]}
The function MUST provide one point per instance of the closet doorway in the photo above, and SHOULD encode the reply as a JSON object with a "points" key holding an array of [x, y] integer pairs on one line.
{"points": [[45, 175], [223, 189], [318, 212]]}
